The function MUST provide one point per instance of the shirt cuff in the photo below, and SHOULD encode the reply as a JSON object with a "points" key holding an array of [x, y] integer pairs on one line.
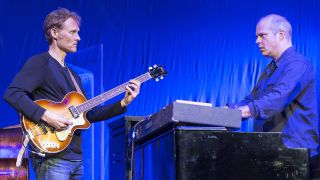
{"points": [[123, 109], [38, 114], [253, 110]]}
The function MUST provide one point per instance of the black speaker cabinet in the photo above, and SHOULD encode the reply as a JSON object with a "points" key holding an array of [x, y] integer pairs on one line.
{"points": [[120, 146], [195, 153]]}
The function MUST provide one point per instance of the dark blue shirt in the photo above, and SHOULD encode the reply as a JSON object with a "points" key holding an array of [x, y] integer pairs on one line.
{"points": [[284, 100]]}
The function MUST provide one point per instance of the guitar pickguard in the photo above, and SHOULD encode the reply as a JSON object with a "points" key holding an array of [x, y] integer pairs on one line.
{"points": [[63, 135]]}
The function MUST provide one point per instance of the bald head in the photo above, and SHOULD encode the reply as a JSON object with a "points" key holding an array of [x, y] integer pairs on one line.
{"points": [[278, 23], [273, 35]]}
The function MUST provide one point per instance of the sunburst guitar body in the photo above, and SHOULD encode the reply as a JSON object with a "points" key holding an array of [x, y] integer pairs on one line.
{"points": [[46, 139]]}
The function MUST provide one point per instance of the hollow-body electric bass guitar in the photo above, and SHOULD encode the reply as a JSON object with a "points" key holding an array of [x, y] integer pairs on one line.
{"points": [[46, 139]]}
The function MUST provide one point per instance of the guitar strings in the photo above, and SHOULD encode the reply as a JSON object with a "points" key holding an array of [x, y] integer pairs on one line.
{"points": [[141, 78]]}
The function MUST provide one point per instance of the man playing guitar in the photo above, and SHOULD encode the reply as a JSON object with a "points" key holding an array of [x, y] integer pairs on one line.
{"points": [[45, 76]]}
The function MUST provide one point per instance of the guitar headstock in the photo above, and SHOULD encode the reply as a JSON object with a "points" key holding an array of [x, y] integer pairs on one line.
{"points": [[157, 72]]}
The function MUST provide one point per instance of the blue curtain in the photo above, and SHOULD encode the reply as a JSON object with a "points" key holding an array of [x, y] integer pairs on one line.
{"points": [[207, 47]]}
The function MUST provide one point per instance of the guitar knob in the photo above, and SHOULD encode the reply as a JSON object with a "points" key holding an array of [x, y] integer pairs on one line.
{"points": [[161, 77], [155, 66], [157, 79], [150, 68]]}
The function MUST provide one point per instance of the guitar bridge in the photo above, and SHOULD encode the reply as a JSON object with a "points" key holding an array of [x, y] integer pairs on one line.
{"points": [[74, 112]]}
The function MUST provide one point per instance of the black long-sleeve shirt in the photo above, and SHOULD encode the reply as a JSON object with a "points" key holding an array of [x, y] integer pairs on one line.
{"points": [[43, 77]]}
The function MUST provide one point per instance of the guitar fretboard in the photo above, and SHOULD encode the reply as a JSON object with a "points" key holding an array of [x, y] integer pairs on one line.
{"points": [[109, 94]]}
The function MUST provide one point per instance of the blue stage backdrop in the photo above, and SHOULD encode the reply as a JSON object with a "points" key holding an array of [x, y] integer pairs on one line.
{"points": [[207, 47]]}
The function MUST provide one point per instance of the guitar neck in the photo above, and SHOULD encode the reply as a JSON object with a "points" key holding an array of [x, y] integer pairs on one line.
{"points": [[109, 94]]}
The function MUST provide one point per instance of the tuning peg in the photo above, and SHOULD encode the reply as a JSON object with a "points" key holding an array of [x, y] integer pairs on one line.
{"points": [[150, 68], [161, 77], [157, 79], [155, 66]]}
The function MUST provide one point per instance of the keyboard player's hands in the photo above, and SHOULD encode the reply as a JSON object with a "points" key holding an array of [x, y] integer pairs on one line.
{"points": [[245, 111]]}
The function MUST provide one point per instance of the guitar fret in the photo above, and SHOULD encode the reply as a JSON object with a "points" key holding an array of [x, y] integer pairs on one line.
{"points": [[109, 94]]}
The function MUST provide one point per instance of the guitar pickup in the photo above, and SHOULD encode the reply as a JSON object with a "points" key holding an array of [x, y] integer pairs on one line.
{"points": [[74, 112]]}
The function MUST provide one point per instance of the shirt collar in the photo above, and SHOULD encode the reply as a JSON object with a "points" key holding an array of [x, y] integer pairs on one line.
{"points": [[283, 56]]}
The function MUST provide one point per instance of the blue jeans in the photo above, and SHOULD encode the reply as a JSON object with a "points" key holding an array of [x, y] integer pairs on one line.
{"points": [[56, 168]]}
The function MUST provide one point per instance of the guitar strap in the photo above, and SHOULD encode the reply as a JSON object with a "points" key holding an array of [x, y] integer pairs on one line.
{"points": [[75, 83], [21, 152]]}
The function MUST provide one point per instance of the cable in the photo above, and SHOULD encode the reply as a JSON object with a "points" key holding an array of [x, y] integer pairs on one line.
{"points": [[134, 132]]}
